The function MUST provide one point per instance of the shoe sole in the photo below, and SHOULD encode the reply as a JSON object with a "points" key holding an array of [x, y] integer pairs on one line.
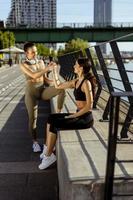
{"points": [[52, 161], [37, 151], [41, 155]]}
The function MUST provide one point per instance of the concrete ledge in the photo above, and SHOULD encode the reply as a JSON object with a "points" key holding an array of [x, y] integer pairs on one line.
{"points": [[81, 160]]}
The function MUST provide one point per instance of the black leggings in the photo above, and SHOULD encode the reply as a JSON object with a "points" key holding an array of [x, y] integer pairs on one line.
{"points": [[59, 122]]}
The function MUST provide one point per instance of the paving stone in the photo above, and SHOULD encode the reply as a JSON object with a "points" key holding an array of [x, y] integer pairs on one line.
{"points": [[20, 178]]}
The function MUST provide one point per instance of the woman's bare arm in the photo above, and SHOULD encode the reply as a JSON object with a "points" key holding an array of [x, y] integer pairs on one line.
{"points": [[58, 84], [34, 75], [46, 79], [66, 84], [87, 89]]}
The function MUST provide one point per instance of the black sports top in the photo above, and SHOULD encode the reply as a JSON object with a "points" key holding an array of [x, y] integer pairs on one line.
{"points": [[79, 95]]}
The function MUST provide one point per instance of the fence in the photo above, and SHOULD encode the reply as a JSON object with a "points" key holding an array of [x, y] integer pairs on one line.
{"points": [[115, 80], [105, 81]]}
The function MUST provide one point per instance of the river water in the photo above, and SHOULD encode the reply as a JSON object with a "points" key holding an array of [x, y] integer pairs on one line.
{"points": [[116, 75]]}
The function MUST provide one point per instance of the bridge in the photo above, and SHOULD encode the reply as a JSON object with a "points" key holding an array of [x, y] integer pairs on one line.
{"points": [[66, 33]]}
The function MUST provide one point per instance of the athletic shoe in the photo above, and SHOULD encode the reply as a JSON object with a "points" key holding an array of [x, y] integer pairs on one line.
{"points": [[47, 161], [36, 147], [44, 151]]}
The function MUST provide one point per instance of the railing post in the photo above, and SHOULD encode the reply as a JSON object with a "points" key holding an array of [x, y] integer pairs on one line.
{"points": [[127, 86], [107, 79], [112, 141]]}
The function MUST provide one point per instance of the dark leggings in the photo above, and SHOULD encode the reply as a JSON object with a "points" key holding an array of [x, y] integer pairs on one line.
{"points": [[59, 122]]}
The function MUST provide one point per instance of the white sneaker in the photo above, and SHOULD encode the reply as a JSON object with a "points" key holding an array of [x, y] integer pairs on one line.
{"points": [[36, 147], [47, 161], [44, 151]]}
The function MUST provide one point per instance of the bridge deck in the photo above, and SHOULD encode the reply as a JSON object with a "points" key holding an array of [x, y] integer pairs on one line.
{"points": [[58, 35]]}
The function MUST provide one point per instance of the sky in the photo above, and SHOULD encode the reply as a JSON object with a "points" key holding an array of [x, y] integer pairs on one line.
{"points": [[81, 11]]}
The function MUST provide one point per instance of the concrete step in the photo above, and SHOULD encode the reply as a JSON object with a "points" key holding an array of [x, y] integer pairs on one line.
{"points": [[23, 181]]}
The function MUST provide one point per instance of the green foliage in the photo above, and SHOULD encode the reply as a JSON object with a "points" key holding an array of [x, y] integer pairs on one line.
{"points": [[74, 45], [43, 50], [53, 53], [6, 39]]}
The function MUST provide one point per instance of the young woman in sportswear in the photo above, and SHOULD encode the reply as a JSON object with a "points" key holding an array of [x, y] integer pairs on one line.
{"points": [[83, 92]]}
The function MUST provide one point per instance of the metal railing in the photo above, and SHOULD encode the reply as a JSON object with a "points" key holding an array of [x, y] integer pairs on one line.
{"points": [[110, 178], [72, 25], [120, 101], [68, 60]]}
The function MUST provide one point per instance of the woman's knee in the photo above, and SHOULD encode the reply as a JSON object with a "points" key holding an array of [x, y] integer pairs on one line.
{"points": [[53, 129]]}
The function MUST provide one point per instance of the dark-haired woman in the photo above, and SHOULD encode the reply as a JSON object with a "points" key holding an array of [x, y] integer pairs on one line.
{"points": [[81, 119]]}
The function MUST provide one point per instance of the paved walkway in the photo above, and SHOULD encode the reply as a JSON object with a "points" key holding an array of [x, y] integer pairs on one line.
{"points": [[20, 178]]}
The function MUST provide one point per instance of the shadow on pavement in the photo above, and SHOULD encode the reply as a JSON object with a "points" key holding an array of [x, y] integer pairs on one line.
{"points": [[16, 150]]}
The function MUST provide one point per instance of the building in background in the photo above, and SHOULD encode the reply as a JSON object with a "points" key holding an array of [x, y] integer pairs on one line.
{"points": [[102, 15], [32, 13]]}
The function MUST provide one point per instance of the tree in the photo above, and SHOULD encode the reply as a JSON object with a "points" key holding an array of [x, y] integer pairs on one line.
{"points": [[75, 45], [7, 39], [43, 50], [53, 53]]}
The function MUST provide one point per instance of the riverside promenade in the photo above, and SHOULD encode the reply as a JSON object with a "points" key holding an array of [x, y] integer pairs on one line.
{"points": [[81, 155], [20, 178]]}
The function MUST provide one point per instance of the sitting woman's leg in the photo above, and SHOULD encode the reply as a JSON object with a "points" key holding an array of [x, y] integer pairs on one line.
{"points": [[57, 122], [48, 156], [50, 142], [51, 129]]}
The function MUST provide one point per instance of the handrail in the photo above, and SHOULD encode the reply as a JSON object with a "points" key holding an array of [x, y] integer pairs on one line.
{"points": [[78, 25], [108, 78], [114, 40], [112, 147]]}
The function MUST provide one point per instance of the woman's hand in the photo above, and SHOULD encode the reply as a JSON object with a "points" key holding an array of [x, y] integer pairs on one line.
{"points": [[52, 64], [50, 68]]}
